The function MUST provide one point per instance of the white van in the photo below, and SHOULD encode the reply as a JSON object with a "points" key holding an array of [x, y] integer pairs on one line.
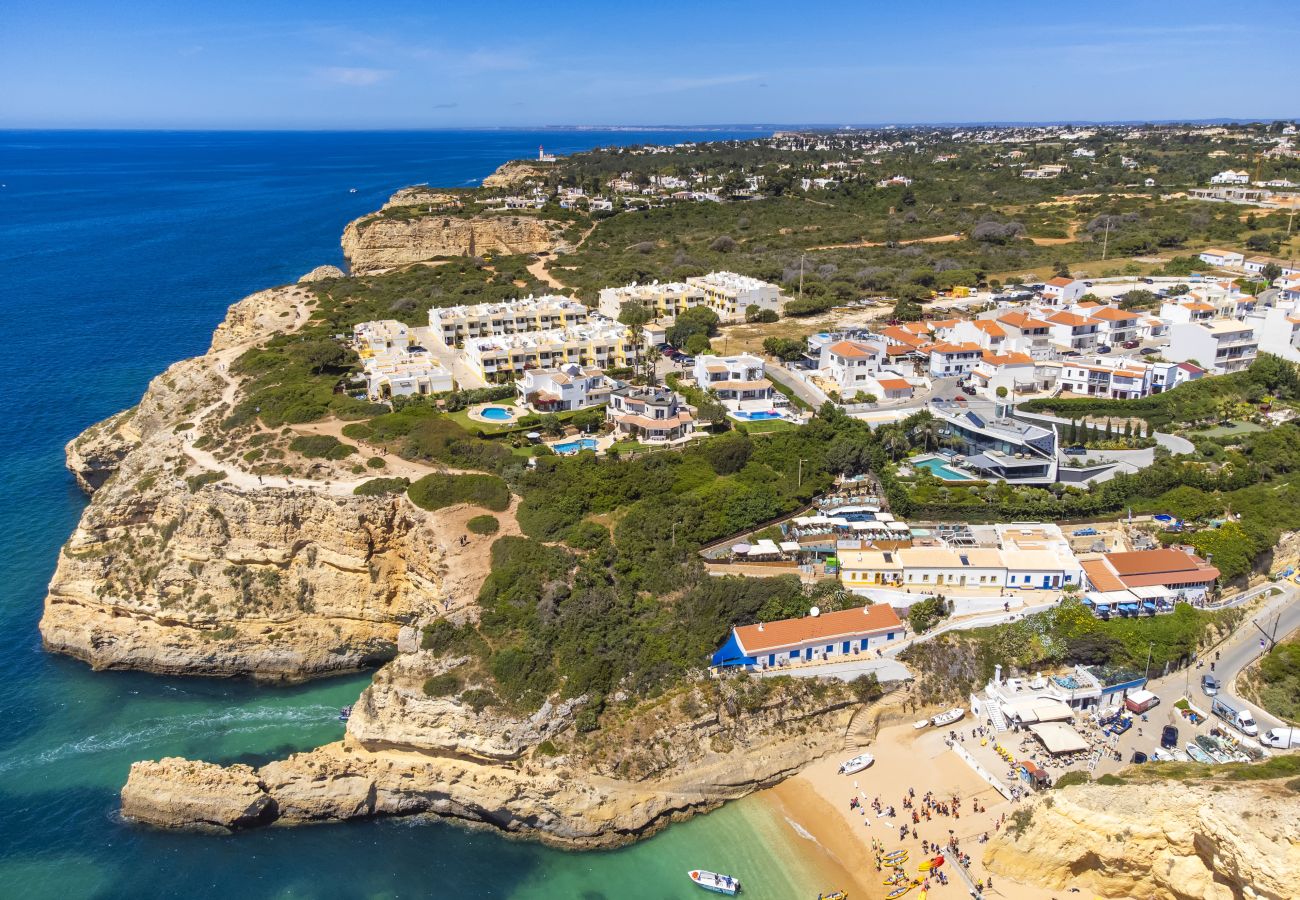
{"points": [[1282, 738]]}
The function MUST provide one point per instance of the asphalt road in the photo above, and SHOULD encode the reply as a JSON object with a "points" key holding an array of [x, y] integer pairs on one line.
{"points": [[1243, 648]]}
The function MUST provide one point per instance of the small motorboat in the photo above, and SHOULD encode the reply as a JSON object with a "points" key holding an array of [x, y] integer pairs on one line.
{"points": [[352, 190], [1159, 755], [345, 713], [1179, 756], [718, 884], [1211, 746], [856, 764], [1199, 755], [924, 723], [948, 717]]}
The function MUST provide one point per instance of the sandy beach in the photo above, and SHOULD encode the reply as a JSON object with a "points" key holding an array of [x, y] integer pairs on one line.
{"points": [[817, 800]]}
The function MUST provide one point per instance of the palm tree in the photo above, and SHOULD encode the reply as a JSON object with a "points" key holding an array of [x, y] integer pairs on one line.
{"points": [[896, 445], [928, 432]]}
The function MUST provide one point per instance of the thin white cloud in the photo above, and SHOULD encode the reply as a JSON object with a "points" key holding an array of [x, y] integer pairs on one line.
{"points": [[353, 76]]}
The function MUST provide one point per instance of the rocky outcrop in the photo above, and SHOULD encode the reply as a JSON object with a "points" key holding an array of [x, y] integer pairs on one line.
{"points": [[1198, 841], [322, 273], [381, 242], [422, 195], [211, 797], [94, 455], [514, 173], [407, 754]]}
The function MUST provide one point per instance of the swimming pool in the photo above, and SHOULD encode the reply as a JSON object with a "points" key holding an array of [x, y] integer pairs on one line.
{"points": [[496, 414], [937, 467], [574, 446], [757, 416]]}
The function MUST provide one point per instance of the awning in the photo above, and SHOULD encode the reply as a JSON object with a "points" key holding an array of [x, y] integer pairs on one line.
{"points": [[1103, 607], [1147, 604], [790, 546], [730, 654], [1059, 738], [740, 548]]}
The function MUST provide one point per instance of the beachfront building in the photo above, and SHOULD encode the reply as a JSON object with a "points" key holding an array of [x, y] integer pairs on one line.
{"points": [[955, 568], [1174, 570], [650, 415], [600, 345], [565, 389], [730, 295], [1220, 346], [671, 298], [826, 637], [393, 365], [455, 325], [738, 381]]}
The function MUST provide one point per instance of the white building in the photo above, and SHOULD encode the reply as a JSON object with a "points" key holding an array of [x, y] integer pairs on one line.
{"points": [[1219, 346], [1230, 176], [951, 569], [1063, 291], [1278, 328], [1115, 326], [1115, 378], [1225, 258], [671, 298], [738, 381], [730, 295], [649, 415], [1027, 333], [851, 365], [1015, 372], [600, 345], [456, 324], [1073, 331], [953, 360], [568, 388]]}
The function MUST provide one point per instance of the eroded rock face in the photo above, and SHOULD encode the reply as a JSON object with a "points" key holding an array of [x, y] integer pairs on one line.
{"points": [[322, 273], [1198, 841], [515, 172], [206, 796], [375, 243]]}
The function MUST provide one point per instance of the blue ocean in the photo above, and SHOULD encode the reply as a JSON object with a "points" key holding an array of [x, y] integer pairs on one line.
{"points": [[119, 253]]}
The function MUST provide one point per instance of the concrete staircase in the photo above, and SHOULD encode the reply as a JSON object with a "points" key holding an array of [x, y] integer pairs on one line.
{"points": [[995, 716]]}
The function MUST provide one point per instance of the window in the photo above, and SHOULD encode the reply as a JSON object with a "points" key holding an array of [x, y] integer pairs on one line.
{"points": [[794, 654]]}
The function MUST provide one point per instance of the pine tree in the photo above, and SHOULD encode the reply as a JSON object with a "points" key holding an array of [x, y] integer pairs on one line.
{"points": [[1110, 430], [1128, 429]]}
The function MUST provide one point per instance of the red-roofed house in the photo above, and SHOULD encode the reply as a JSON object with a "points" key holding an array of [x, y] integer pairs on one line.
{"points": [[951, 360], [1013, 371], [1063, 290], [1078, 333], [1175, 570], [832, 636]]}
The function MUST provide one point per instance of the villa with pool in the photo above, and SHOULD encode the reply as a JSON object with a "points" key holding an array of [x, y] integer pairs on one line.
{"points": [[565, 389], [652, 415]]}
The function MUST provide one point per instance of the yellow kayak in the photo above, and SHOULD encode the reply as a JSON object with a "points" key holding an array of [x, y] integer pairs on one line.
{"points": [[897, 854], [895, 879], [833, 895], [922, 895], [898, 892], [924, 867]]}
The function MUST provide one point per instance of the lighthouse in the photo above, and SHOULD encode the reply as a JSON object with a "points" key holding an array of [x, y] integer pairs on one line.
{"points": [[543, 156]]}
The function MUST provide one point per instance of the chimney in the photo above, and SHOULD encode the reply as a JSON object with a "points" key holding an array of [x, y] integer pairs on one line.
{"points": [[997, 674], [760, 626]]}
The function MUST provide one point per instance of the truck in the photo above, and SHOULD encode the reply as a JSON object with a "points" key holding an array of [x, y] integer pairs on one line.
{"points": [[1240, 719], [1140, 701], [1281, 738]]}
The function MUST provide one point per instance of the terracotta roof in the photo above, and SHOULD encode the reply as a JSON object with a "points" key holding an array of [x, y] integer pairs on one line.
{"points": [[681, 418], [1008, 359], [956, 348], [854, 349], [900, 350], [894, 384], [741, 385], [1023, 320], [993, 329], [1061, 282], [1113, 314], [845, 624], [1101, 578], [1150, 562]]}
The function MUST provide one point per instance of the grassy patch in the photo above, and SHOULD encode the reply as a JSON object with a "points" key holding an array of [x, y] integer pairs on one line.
{"points": [[378, 487], [483, 525], [437, 491], [321, 446]]}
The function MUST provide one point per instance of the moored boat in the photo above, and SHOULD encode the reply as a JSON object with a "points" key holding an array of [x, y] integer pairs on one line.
{"points": [[716, 883], [856, 764], [948, 717], [1199, 755], [924, 723]]}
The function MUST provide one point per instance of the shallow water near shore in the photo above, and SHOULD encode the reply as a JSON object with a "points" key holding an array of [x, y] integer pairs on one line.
{"points": [[119, 253]]}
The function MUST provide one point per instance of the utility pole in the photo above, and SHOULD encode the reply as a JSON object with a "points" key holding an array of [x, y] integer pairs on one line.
{"points": [[1147, 671], [801, 257], [1270, 635], [800, 482], [1105, 241]]}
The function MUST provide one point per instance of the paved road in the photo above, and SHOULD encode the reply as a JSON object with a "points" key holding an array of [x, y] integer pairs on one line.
{"points": [[804, 392], [1243, 648]]}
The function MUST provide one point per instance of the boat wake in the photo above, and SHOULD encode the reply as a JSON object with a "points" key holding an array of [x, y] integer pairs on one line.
{"points": [[153, 731]]}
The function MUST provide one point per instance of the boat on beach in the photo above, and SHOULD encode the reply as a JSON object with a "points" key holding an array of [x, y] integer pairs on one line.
{"points": [[856, 764], [833, 895], [924, 723], [1198, 754], [715, 883], [948, 717]]}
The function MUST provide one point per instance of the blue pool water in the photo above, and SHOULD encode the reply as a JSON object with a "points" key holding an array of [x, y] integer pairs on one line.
{"points": [[119, 253], [496, 413], [574, 446], [760, 416], [940, 470]]}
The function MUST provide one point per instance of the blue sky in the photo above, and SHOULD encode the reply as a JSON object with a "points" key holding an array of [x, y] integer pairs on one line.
{"points": [[247, 64]]}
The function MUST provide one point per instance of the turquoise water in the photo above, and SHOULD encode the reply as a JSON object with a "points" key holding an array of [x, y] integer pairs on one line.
{"points": [[119, 253], [760, 416], [574, 446], [496, 413], [940, 470]]}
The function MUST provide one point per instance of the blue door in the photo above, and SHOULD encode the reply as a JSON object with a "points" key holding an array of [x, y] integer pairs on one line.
{"points": [[846, 647], [807, 654], [1047, 581]]}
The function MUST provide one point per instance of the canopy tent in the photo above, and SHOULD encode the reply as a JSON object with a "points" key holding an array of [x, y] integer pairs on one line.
{"points": [[1059, 738], [790, 547], [730, 654], [1037, 709]]}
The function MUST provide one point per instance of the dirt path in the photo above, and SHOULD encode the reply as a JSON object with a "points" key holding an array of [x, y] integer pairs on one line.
{"points": [[538, 271], [936, 239]]}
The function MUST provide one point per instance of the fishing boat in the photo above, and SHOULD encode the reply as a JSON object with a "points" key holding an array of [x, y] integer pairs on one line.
{"points": [[898, 891], [1211, 746], [924, 723], [1179, 756], [1198, 754], [1159, 755], [718, 884], [345, 713], [833, 895], [856, 764], [948, 717]]}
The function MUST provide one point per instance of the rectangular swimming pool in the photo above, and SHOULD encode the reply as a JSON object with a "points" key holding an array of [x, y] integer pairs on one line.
{"points": [[937, 467]]}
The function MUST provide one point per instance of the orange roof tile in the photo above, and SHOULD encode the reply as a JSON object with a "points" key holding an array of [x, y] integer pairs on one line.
{"points": [[1113, 314], [850, 348], [787, 633], [894, 384]]}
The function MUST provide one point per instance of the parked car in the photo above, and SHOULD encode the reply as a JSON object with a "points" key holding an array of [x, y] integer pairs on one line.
{"points": [[1129, 345], [1104, 348], [1076, 451], [1169, 737], [1209, 685], [1087, 284], [1148, 351], [1148, 281], [686, 360]]}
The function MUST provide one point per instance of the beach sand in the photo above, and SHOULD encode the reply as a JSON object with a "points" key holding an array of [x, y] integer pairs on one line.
{"points": [[817, 799]]}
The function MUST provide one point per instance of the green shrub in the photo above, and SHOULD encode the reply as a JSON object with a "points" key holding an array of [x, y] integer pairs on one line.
{"points": [[375, 462], [479, 699], [198, 482], [587, 536], [483, 525], [441, 685], [437, 491], [321, 446], [377, 487]]}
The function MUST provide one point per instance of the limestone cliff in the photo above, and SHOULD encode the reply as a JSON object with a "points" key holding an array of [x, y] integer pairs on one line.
{"points": [[1208, 840], [182, 566], [516, 172], [380, 242], [406, 753]]}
